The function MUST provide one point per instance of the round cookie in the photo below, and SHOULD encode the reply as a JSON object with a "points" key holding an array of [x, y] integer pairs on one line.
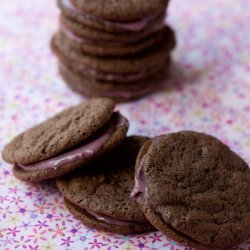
{"points": [[82, 30], [148, 59], [194, 189], [59, 133], [147, 23], [121, 10], [118, 92], [102, 48], [67, 141], [99, 196], [110, 78]]}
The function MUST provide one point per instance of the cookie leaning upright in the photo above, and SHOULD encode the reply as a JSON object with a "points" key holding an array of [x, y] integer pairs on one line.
{"points": [[67, 141], [195, 190], [100, 197], [118, 49]]}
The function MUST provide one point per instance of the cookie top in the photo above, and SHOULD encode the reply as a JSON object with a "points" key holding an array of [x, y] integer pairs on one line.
{"points": [[121, 10], [59, 133], [106, 187], [113, 134], [197, 187]]}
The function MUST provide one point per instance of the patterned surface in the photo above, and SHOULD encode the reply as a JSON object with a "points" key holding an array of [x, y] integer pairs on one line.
{"points": [[209, 91]]}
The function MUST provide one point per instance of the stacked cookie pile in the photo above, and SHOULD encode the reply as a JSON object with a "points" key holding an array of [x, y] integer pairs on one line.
{"points": [[117, 49], [188, 185]]}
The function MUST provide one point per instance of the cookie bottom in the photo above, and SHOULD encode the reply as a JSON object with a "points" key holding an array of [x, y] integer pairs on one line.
{"points": [[90, 221], [173, 234]]}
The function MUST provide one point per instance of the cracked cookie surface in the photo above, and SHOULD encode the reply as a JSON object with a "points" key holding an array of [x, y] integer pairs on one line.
{"points": [[198, 189], [107, 186], [59, 133]]}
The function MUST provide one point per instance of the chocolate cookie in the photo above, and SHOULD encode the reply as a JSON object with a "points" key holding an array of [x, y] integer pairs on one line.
{"points": [[82, 30], [118, 92], [194, 189], [67, 141], [121, 10], [111, 78], [99, 196], [112, 48], [149, 22], [137, 63]]}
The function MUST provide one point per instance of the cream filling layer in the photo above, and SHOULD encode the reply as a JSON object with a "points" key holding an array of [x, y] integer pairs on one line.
{"points": [[112, 221], [82, 152]]}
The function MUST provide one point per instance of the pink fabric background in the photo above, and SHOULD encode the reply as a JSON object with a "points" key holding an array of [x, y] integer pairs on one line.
{"points": [[209, 91]]}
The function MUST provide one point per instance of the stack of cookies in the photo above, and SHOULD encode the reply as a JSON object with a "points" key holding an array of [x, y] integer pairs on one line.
{"points": [[188, 185], [117, 49]]}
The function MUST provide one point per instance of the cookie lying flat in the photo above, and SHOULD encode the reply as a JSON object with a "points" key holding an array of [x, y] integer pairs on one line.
{"points": [[110, 78], [93, 34], [67, 141], [194, 189], [100, 198], [114, 65], [104, 48], [121, 10], [152, 19], [119, 92]]}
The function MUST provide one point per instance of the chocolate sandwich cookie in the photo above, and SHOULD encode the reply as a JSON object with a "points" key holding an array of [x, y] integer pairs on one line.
{"points": [[142, 21], [79, 29], [121, 10], [100, 197], [111, 78], [67, 141], [113, 48], [194, 189], [122, 92], [137, 63]]}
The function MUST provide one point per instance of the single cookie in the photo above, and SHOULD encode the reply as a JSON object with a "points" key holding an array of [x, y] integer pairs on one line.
{"points": [[92, 21], [67, 141], [139, 62], [104, 48], [194, 189], [118, 92], [99, 196]]}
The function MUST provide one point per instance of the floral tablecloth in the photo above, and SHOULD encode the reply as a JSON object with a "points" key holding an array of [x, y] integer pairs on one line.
{"points": [[209, 91]]}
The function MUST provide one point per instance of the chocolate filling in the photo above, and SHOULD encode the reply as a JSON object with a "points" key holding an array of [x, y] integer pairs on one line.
{"points": [[83, 151]]}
